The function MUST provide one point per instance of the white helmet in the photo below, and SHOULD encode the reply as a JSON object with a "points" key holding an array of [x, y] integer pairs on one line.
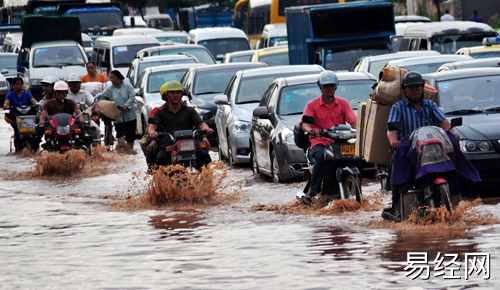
{"points": [[327, 77], [51, 80], [61, 86], [74, 77]]}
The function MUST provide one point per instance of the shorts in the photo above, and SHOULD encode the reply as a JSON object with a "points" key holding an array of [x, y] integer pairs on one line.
{"points": [[126, 129]]}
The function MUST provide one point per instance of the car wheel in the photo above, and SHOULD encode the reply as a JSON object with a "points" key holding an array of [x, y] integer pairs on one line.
{"points": [[275, 175], [230, 159], [253, 163]]}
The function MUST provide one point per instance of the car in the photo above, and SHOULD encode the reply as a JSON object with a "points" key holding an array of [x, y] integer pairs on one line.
{"points": [[174, 36], [234, 110], [472, 94], [160, 21], [375, 63], [199, 51], [5, 29], [139, 64], [471, 63], [219, 40], [11, 40], [4, 89], [490, 48], [147, 89], [238, 56], [201, 84], [427, 64], [272, 146], [8, 65], [136, 31], [88, 45], [273, 35], [272, 56]]}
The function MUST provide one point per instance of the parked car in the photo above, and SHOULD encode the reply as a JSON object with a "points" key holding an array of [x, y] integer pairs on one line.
{"points": [[484, 62], [8, 65], [238, 56], [219, 40], [427, 64], [199, 51], [273, 35], [375, 63], [473, 95], [272, 56], [235, 107], [490, 48], [272, 146], [147, 89], [201, 84], [4, 89], [139, 64]]}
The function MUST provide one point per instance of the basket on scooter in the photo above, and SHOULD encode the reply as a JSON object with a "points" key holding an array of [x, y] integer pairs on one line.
{"points": [[26, 124]]}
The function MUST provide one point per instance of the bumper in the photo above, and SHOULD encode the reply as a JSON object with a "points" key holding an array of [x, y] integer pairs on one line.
{"points": [[292, 162], [240, 144], [488, 166]]}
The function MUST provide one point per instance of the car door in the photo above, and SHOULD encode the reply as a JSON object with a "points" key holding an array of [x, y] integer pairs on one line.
{"points": [[261, 134]]}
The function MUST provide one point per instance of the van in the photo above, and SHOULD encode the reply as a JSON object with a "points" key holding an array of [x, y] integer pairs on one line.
{"points": [[219, 40], [117, 52], [273, 35], [159, 21], [445, 37], [11, 40]]}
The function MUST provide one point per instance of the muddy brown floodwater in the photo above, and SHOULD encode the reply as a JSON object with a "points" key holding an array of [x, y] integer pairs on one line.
{"points": [[105, 224]]}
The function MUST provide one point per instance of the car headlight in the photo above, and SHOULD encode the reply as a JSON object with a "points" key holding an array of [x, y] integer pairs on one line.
{"points": [[35, 82], [241, 126], [476, 147], [287, 136]]}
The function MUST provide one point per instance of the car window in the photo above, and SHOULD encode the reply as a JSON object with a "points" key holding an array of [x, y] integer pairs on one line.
{"points": [[355, 91], [8, 62], [131, 70], [212, 81], [275, 59], [343, 58], [488, 54], [123, 55], [425, 68], [229, 88], [293, 99], [157, 79], [449, 44], [267, 95], [57, 56], [144, 65], [219, 47], [201, 54]]}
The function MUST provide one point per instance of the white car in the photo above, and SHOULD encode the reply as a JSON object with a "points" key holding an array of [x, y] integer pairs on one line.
{"points": [[4, 88]]}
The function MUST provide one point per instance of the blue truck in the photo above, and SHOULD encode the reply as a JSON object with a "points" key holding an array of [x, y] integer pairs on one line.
{"points": [[207, 16], [336, 35]]}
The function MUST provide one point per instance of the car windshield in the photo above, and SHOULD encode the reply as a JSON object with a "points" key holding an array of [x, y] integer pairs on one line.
{"points": [[449, 44], [241, 58], [343, 58], [201, 54], [156, 80], [100, 19], [219, 47], [487, 54], [275, 59], [181, 39], [123, 55], [144, 65], [213, 81], [377, 66], [425, 68], [58, 56], [294, 99], [8, 62], [467, 95]]}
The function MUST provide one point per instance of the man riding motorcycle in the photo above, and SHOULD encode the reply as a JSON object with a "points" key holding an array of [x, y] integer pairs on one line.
{"points": [[175, 116], [328, 111], [412, 113]]}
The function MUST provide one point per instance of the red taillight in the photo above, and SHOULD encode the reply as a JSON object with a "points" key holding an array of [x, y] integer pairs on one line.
{"points": [[78, 131], [203, 145], [48, 132], [170, 148]]}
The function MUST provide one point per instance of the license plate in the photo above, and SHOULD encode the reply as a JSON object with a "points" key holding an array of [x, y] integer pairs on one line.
{"points": [[347, 149]]}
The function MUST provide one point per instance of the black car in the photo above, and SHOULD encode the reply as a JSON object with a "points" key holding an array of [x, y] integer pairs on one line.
{"points": [[473, 94]]}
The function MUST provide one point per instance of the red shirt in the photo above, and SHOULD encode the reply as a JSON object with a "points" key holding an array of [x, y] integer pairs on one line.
{"points": [[340, 112]]}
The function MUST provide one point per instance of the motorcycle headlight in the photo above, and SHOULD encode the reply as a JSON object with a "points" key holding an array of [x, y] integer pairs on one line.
{"points": [[476, 147], [63, 130], [241, 126], [186, 146], [287, 136]]}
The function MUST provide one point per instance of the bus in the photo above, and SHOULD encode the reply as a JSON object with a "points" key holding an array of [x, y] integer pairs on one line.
{"points": [[252, 15]]}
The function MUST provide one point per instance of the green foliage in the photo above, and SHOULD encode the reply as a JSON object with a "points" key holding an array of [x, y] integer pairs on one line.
{"points": [[495, 23]]}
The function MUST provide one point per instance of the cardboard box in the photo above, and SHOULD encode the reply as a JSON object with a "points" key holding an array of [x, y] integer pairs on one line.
{"points": [[360, 128], [376, 145]]}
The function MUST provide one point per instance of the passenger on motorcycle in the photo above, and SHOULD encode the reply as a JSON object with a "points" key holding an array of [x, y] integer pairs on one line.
{"points": [[60, 104], [17, 98], [78, 95], [328, 111], [176, 116], [412, 113], [48, 88]]}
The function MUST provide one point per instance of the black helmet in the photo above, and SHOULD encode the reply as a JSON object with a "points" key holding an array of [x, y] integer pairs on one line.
{"points": [[413, 78]]}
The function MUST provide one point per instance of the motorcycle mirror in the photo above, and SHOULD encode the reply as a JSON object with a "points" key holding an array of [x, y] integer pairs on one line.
{"points": [[153, 120], [208, 116], [308, 119], [393, 126], [455, 122]]}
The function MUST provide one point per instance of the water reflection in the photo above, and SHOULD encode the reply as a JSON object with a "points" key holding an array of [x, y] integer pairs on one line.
{"points": [[180, 225]]}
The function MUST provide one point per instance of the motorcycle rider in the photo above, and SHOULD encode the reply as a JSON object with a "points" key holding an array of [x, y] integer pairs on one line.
{"points": [[328, 111], [175, 116], [78, 95], [48, 88], [412, 113]]}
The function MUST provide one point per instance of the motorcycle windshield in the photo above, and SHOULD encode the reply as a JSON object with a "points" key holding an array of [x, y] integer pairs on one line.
{"points": [[432, 145]]}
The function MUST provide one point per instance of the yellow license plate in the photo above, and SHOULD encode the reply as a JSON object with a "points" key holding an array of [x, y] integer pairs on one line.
{"points": [[347, 149]]}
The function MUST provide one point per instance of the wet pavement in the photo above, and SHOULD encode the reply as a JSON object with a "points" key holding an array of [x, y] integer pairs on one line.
{"points": [[97, 229]]}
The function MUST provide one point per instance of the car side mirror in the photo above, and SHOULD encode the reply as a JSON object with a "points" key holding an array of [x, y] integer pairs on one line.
{"points": [[455, 122], [221, 100], [261, 112]]}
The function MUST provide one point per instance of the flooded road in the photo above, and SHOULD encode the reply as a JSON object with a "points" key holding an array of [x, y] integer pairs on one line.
{"points": [[94, 230]]}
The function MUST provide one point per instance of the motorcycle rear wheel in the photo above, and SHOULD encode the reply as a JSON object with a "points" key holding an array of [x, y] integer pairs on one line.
{"points": [[444, 192], [352, 188]]}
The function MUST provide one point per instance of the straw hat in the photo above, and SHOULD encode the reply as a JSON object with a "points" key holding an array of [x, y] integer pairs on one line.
{"points": [[109, 109]]}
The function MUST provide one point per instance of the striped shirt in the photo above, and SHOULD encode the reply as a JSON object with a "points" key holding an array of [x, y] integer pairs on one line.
{"points": [[410, 119]]}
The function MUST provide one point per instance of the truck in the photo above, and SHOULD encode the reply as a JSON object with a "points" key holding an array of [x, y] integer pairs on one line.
{"points": [[207, 16], [336, 35], [51, 45]]}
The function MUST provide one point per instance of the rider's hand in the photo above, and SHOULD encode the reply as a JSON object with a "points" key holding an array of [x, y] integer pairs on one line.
{"points": [[151, 146], [395, 144], [314, 132], [205, 140], [153, 134], [98, 111], [210, 131], [123, 108]]}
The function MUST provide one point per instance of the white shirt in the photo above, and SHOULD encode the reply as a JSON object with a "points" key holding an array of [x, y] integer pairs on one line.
{"points": [[81, 96], [447, 17]]}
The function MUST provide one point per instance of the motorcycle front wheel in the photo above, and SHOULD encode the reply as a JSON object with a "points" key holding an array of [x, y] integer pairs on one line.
{"points": [[352, 188]]}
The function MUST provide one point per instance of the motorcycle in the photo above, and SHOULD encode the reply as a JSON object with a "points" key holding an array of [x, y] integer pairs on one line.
{"points": [[341, 164], [427, 174], [27, 124], [63, 135], [89, 115], [109, 113]]}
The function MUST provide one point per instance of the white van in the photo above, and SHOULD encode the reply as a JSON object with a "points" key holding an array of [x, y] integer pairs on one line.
{"points": [[273, 35], [159, 21], [138, 21], [11, 40], [219, 40], [117, 52]]}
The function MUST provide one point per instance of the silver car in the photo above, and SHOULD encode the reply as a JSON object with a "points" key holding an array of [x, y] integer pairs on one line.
{"points": [[234, 110], [272, 146], [147, 89], [427, 64]]}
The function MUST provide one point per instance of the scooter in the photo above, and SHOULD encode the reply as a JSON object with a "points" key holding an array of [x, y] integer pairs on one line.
{"points": [[64, 135], [341, 164], [27, 123]]}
